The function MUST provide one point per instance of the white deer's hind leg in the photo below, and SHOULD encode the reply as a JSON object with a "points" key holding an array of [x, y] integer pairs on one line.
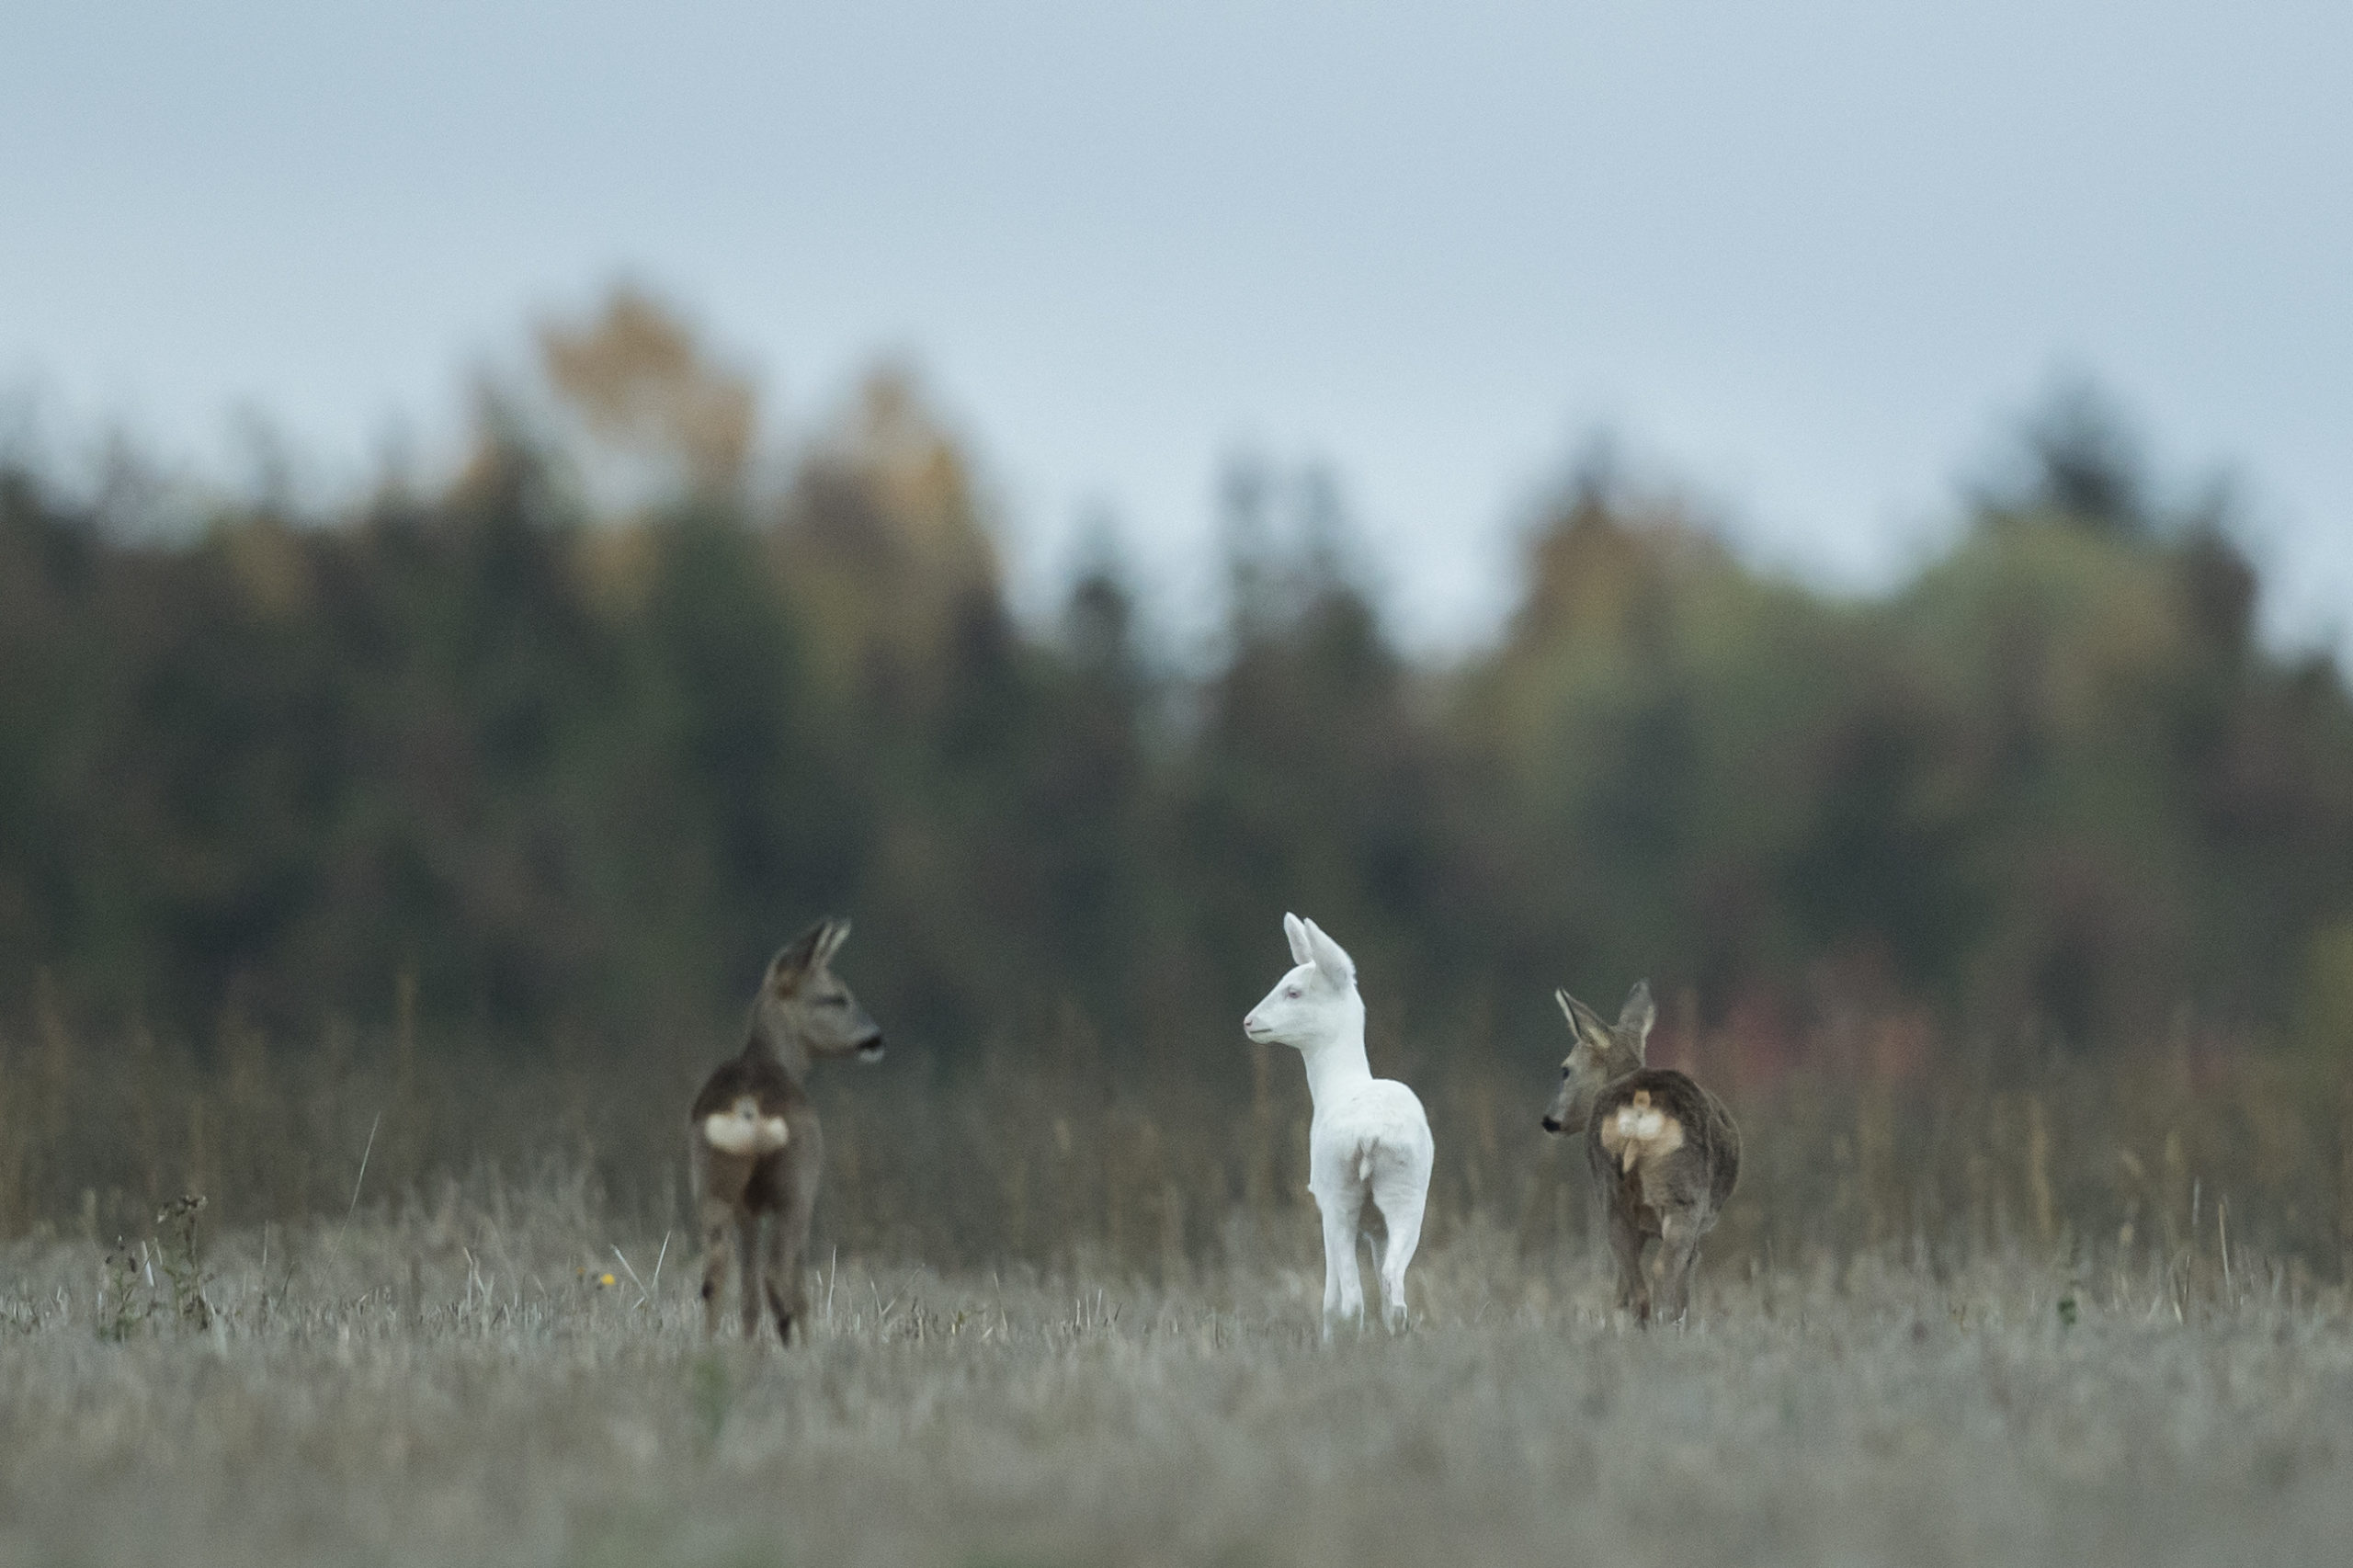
{"points": [[1400, 1202], [1343, 1286]]}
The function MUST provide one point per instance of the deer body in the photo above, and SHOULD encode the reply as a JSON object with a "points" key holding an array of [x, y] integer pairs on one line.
{"points": [[1664, 1152], [758, 1152], [1368, 1140]]}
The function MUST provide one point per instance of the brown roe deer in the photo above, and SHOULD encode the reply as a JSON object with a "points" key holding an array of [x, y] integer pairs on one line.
{"points": [[758, 1152], [1664, 1152]]}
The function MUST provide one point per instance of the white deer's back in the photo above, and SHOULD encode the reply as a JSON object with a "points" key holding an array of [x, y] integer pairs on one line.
{"points": [[1373, 1131]]}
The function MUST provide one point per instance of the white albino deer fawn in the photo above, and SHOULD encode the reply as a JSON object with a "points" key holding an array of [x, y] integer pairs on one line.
{"points": [[1664, 1152], [1369, 1136], [758, 1152]]}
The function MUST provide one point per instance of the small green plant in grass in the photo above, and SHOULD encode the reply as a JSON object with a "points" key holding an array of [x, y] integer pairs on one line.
{"points": [[177, 1250], [712, 1395], [123, 1307]]}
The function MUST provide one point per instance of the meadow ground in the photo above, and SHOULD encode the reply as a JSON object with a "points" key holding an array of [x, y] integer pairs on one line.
{"points": [[462, 1386]]}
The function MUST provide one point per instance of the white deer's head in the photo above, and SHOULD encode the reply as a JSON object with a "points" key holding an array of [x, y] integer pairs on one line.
{"points": [[1314, 1005]]}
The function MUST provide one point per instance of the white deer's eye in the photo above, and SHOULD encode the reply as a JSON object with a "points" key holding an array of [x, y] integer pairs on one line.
{"points": [[1291, 991]]}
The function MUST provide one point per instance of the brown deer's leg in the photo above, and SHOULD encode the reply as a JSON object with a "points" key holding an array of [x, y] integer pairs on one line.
{"points": [[796, 1199], [1679, 1250], [1626, 1248], [783, 1279], [747, 1240], [717, 1219]]}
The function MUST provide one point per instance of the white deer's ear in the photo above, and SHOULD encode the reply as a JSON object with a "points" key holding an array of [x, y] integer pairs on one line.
{"points": [[1295, 929], [837, 933], [1330, 956], [1637, 1017]]}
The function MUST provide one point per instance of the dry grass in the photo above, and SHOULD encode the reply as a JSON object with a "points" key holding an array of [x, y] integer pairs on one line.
{"points": [[456, 1382], [1037, 1150], [1974, 1315]]}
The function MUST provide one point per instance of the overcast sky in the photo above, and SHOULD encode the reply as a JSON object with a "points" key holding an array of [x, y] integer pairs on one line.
{"points": [[1809, 257]]}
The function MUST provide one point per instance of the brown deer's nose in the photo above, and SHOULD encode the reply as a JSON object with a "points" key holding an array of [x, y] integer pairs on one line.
{"points": [[870, 1048], [1551, 1124]]}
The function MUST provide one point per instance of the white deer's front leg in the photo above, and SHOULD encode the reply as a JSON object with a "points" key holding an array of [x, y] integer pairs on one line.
{"points": [[1343, 1287]]}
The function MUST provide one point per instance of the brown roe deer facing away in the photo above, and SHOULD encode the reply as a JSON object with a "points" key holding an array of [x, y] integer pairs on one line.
{"points": [[758, 1152], [1664, 1150]]}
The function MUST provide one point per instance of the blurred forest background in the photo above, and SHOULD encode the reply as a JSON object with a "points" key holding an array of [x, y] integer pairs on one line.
{"points": [[2016, 900]]}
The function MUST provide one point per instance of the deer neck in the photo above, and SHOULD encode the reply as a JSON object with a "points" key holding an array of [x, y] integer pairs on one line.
{"points": [[1338, 1065], [790, 1053]]}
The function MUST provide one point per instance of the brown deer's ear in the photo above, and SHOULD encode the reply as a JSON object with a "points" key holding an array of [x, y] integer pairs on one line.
{"points": [[1637, 1017], [1584, 1022], [837, 933], [795, 960]]}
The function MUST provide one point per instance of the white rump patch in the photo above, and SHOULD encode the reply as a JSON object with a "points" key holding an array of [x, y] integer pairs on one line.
{"points": [[743, 1131], [1640, 1130]]}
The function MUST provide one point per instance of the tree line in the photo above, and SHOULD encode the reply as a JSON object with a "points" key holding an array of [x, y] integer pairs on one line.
{"points": [[562, 769]]}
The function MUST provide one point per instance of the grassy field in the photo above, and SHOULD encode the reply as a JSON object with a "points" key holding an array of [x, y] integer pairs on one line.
{"points": [[458, 1382]]}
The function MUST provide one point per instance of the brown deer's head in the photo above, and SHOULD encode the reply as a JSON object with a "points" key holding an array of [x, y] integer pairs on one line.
{"points": [[804, 1010], [1602, 1053]]}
